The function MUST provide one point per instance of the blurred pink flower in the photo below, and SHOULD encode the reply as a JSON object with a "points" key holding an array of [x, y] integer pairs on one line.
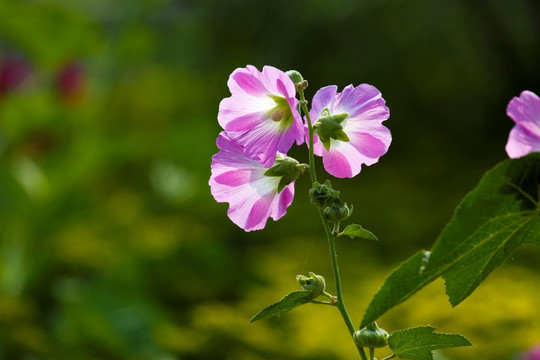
{"points": [[71, 82], [253, 197], [363, 140], [13, 71], [261, 115], [532, 354], [524, 137]]}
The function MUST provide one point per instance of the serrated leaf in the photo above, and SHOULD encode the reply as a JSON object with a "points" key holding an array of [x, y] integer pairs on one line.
{"points": [[358, 231], [418, 343], [289, 302], [494, 219]]}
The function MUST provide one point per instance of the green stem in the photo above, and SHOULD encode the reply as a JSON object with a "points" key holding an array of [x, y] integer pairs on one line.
{"points": [[371, 353], [303, 104], [322, 303], [330, 236], [340, 304]]}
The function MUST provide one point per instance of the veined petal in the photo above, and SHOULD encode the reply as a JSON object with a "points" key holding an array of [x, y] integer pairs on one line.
{"points": [[260, 142], [324, 98], [368, 138], [240, 181], [524, 137], [261, 114], [521, 142]]}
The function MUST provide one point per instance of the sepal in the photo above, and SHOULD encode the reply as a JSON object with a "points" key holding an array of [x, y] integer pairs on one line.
{"points": [[288, 168], [329, 127]]}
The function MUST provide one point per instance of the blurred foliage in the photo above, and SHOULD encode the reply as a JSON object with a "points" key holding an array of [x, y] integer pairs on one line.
{"points": [[111, 244]]}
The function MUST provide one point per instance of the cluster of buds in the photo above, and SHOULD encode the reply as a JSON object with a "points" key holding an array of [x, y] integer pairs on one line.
{"points": [[323, 196]]}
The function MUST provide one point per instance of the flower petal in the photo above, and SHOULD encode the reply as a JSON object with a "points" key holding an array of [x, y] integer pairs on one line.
{"points": [[240, 181], [261, 115], [368, 138], [524, 137]]}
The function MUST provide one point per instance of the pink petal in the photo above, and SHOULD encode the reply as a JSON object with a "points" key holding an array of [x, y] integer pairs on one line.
{"points": [[524, 137], [259, 213], [234, 178], [337, 164], [249, 82], [246, 114], [368, 138], [356, 101], [240, 181], [282, 201], [324, 98], [521, 142]]}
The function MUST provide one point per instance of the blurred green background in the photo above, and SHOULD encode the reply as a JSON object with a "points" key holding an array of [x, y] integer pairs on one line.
{"points": [[111, 245]]}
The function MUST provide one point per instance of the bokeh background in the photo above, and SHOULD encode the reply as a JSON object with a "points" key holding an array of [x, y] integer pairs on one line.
{"points": [[111, 245]]}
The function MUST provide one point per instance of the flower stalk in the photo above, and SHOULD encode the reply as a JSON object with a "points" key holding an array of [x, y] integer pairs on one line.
{"points": [[340, 304]]}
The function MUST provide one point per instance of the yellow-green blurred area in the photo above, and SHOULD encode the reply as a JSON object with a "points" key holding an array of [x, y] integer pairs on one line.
{"points": [[111, 246]]}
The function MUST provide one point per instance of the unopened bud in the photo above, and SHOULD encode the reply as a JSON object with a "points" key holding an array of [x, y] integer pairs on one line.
{"points": [[337, 213], [314, 283], [322, 195], [371, 336]]}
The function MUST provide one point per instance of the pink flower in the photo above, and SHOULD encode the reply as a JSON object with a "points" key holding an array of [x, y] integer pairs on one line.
{"points": [[348, 128], [532, 354], [13, 72], [524, 137], [261, 115], [245, 184]]}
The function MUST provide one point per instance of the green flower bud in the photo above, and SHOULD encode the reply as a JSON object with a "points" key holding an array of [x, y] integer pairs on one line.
{"points": [[337, 213], [329, 127], [314, 283], [288, 168], [322, 195], [297, 79], [371, 336], [295, 76]]}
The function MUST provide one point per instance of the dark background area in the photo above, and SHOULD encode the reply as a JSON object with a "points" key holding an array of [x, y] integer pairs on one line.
{"points": [[111, 246]]}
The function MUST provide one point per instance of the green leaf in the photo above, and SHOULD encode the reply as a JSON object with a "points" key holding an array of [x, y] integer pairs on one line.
{"points": [[289, 302], [418, 343], [494, 219], [358, 231]]}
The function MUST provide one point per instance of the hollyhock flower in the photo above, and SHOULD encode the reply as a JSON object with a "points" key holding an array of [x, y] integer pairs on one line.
{"points": [[254, 193], [261, 115], [524, 137], [348, 128]]}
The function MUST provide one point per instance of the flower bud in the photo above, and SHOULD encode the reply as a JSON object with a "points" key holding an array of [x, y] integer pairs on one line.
{"points": [[337, 213], [314, 283], [322, 195], [297, 79], [295, 76], [288, 168], [371, 336]]}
